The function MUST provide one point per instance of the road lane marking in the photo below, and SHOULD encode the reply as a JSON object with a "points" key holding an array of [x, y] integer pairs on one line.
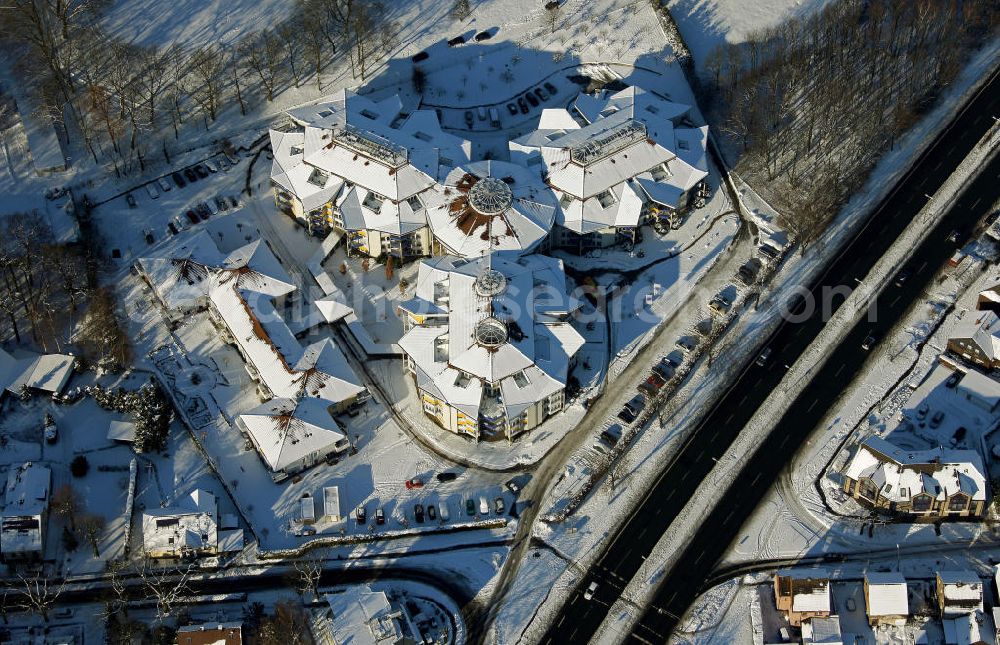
{"points": [[976, 203], [729, 418], [700, 556], [894, 301], [751, 483], [783, 442], [812, 405], [840, 369], [726, 521]]}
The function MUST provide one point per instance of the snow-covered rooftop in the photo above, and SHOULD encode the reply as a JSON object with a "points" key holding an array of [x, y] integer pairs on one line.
{"points": [[366, 617], [901, 474], [494, 205], [887, 594], [26, 498], [191, 525], [822, 630], [810, 589], [503, 322], [286, 430], [982, 328], [45, 372]]}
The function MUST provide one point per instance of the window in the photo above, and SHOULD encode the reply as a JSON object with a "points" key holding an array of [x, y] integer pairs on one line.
{"points": [[608, 111], [324, 113], [921, 503], [445, 161], [660, 172], [415, 203], [368, 114], [552, 136], [958, 502], [521, 379], [462, 380], [318, 178], [606, 199], [565, 200], [867, 489], [682, 144], [295, 150]]}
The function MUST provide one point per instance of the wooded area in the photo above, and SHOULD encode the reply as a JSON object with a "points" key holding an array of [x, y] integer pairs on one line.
{"points": [[809, 106]]}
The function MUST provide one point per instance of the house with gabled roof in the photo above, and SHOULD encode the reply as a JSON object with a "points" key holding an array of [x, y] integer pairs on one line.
{"points": [[189, 528], [802, 594], [489, 342], [363, 168], [923, 484], [976, 338], [886, 598]]}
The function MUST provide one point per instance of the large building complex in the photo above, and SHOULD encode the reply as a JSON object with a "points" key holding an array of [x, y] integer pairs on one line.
{"points": [[363, 169], [489, 342]]}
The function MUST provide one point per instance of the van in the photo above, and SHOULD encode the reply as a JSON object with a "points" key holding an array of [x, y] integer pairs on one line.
{"points": [[494, 117]]}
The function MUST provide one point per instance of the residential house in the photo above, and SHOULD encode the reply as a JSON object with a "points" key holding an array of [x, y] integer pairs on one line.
{"points": [[921, 484], [45, 373], [25, 512], [368, 617], [979, 390], [822, 631], [802, 594], [188, 529], [886, 598], [959, 593], [976, 338], [968, 629], [489, 342], [210, 634]]}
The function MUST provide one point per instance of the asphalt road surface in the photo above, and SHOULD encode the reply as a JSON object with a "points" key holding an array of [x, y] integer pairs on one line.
{"points": [[627, 548]]}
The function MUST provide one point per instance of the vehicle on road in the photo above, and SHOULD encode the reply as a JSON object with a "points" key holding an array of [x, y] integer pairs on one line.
{"points": [[589, 593], [498, 506], [902, 277], [361, 515], [379, 516], [446, 476], [937, 419], [870, 341], [470, 507], [51, 430], [416, 482], [762, 358], [418, 513], [178, 179], [130, 200]]}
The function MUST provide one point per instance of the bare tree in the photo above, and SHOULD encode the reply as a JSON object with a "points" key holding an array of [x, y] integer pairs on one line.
{"points": [[206, 77], [66, 503], [289, 625], [308, 573], [618, 471], [38, 592], [262, 53], [92, 526], [167, 585], [551, 16], [290, 33], [461, 10]]}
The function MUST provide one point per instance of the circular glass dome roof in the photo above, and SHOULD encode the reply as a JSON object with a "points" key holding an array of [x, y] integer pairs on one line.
{"points": [[490, 196], [490, 283], [491, 333]]}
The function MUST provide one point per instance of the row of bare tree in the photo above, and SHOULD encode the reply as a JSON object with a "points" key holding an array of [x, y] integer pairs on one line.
{"points": [[811, 104], [120, 98]]}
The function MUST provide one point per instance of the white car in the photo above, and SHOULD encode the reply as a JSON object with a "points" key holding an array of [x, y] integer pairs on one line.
{"points": [[151, 190], [589, 593], [484, 506], [164, 184], [211, 166], [443, 511]]}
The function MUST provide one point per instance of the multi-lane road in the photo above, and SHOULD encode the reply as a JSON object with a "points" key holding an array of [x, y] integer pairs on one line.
{"points": [[632, 542]]}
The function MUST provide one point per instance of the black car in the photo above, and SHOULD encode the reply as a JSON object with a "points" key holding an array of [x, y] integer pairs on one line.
{"points": [[419, 56], [902, 277], [446, 477], [203, 211], [627, 415], [470, 118], [532, 99], [131, 200], [432, 512], [191, 215], [512, 108], [361, 515], [178, 179], [483, 35], [172, 228], [551, 89], [149, 237], [524, 106], [457, 40], [953, 380], [418, 512], [540, 93], [191, 175], [201, 170], [222, 203]]}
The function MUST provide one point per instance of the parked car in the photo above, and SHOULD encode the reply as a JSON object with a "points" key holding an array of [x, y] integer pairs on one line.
{"points": [[201, 170], [416, 482], [234, 202], [446, 476], [222, 203], [379, 516], [532, 99], [719, 304], [686, 343], [762, 358], [513, 486], [664, 369], [191, 175], [151, 191], [192, 216], [954, 235], [470, 507], [172, 228], [902, 277], [419, 56], [51, 430], [512, 108], [431, 512], [589, 593], [360, 515], [651, 385], [636, 404], [224, 163], [870, 341], [937, 419], [769, 251], [211, 166], [203, 211], [130, 200], [613, 432], [484, 507], [521, 104], [498, 506], [418, 512], [470, 119], [922, 411], [953, 379], [178, 179], [444, 512], [540, 93], [212, 207], [483, 35], [959, 436], [626, 415], [163, 184], [179, 223], [550, 88], [457, 40], [148, 234]]}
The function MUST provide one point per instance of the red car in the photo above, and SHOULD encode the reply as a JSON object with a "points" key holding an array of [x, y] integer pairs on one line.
{"points": [[652, 385], [416, 482]]}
